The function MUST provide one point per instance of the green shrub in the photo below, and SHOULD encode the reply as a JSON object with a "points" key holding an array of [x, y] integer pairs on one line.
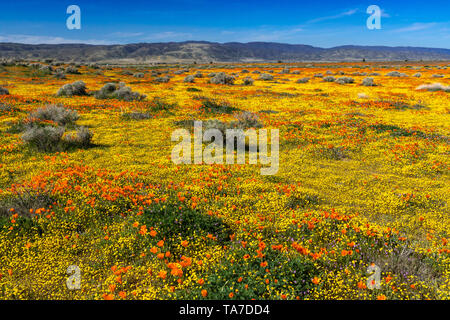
{"points": [[118, 91], [248, 81], [158, 104], [345, 80], [266, 77], [55, 113], [77, 88], [3, 91], [368, 82], [46, 139], [82, 139], [222, 78], [329, 79], [72, 70], [193, 90], [216, 106], [189, 79], [303, 80]]}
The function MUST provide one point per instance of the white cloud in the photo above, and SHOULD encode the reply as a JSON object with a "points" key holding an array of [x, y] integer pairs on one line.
{"points": [[384, 14], [416, 27], [33, 39], [126, 34], [340, 15]]}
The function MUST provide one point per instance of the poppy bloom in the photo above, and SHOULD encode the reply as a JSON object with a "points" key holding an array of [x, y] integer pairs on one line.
{"points": [[108, 296], [154, 250], [204, 293], [361, 285], [315, 280]]}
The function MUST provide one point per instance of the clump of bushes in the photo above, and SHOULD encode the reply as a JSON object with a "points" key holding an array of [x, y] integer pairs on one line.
{"points": [[127, 73], [248, 81], [3, 91], [163, 79], [345, 80], [266, 77], [72, 70], [118, 91], [138, 75], [368, 82], [189, 79], [434, 87], [156, 105], [329, 79], [303, 80], [77, 88], [246, 119], [82, 138], [222, 78], [48, 137], [216, 106], [396, 74], [60, 75], [55, 113]]}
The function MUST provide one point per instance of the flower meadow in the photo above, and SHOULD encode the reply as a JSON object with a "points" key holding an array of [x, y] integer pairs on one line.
{"points": [[87, 180]]}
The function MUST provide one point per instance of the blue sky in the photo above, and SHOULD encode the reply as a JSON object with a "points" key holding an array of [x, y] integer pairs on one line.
{"points": [[323, 23]]}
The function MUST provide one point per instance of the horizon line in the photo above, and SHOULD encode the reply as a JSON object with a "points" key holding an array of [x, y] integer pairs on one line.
{"points": [[221, 43]]}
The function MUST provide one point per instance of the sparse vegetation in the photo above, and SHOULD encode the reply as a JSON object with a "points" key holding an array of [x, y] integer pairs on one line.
{"points": [[118, 91], [78, 88]]}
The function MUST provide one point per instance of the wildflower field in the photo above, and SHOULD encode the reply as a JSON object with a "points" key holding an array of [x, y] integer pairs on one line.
{"points": [[87, 180]]}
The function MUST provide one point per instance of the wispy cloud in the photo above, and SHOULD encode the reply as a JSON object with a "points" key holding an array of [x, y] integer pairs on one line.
{"points": [[337, 16], [33, 39], [384, 14], [416, 27], [127, 34]]}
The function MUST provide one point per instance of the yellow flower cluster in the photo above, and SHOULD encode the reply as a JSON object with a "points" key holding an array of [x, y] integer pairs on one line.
{"points": [[363, 180]]}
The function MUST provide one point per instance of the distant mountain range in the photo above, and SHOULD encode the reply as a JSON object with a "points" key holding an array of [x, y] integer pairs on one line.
{"points": [[202, 51]]}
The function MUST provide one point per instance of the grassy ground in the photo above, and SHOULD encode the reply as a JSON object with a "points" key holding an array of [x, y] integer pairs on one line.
{"points": [[363, 179]]}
